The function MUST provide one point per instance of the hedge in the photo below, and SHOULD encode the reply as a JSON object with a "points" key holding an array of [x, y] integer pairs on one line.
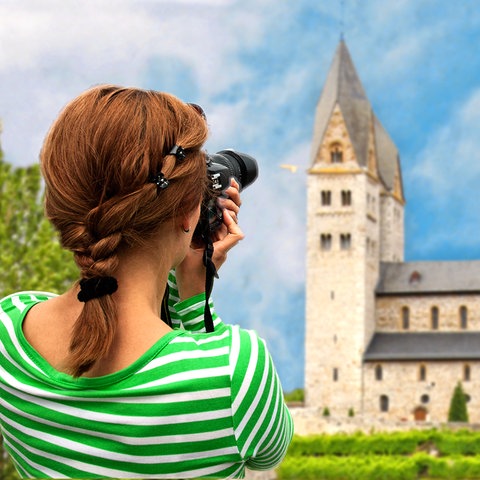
{"points": [[375, 467]]}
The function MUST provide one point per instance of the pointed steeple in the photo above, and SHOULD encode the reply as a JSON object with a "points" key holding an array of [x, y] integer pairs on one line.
{"points": [[344, 90], [343, 86]]}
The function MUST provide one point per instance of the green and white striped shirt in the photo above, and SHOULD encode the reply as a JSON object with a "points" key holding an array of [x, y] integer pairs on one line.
{"points": [[194, 405]]}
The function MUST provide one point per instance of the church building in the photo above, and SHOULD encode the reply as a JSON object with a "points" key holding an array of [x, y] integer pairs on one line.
{"points": [[385, 338]]}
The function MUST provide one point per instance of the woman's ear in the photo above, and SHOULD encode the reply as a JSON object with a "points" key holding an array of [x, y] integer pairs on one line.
{"points": [[185, 223]]}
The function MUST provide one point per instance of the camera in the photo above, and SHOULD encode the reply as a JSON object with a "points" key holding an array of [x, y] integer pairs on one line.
{"points": [[221, 167]]}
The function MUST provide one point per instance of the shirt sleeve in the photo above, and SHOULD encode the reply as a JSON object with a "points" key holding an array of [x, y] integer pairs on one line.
{"points": [[263, 425], [189, 314]]}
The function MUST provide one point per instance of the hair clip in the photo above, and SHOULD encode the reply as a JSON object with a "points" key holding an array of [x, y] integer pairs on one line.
{"points": [[161, 182], [178, 151]]}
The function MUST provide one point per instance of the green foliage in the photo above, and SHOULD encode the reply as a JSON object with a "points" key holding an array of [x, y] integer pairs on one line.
{"points": [[429, 454], [326, 412], [297, 395], [461, 442], [7, 470], [351, 412], [458, 405], [358, 467], [342, 444], [31, 257]]}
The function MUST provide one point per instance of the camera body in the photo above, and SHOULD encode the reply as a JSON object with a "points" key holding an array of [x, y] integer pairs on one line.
{"points": [[221, 167]]}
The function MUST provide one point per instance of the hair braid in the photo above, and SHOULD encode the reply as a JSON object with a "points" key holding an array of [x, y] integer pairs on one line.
{"points": [[98, 160]]}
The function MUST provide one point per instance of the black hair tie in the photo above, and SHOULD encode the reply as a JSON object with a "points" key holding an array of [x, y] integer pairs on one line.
{"points": [[96, 287]]}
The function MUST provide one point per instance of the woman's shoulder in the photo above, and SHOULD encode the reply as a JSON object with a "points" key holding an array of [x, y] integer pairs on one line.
{"points": [[20, 301]]}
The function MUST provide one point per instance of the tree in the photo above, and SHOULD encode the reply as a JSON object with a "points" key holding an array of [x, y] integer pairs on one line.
{"points": [[458, 405], [31, 257]]}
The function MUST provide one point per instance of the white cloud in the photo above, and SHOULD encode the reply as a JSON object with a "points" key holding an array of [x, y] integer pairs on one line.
{"points": [[451, 156], [51, 51], [443, 182]]}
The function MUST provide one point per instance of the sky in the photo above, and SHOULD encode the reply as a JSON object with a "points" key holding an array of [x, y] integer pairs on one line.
{"points": [[257, 67]]}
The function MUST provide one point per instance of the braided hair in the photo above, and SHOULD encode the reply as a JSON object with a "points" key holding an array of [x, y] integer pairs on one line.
{"points": [[98, 161]]}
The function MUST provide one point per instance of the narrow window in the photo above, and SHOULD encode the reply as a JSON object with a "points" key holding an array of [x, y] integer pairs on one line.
{"points": [[335, 374], [378, 373], [434, 318], [384, 403], [466, 373], [405, 318], [345, 241], [325, 241], [422, 373], [326, 197], [336, 154], [463, 317], [346, 197]]}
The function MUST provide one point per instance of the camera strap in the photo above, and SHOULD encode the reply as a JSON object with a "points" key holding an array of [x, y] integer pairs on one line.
{"points": [[210, 275]]}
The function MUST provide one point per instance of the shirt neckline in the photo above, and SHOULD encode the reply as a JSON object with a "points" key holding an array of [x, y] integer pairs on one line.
{"points": [[82, 382]]}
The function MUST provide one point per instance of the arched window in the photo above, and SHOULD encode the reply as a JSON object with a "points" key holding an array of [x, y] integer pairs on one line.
{"points": [[335, 374], [422, 373], [405, 318], [434, 318], [463, 317], [345, 241], [336, 153], [378, 372], [325, 241], [384, 403], [466, 373], [415, 277], [346, 197], [326, 197]]}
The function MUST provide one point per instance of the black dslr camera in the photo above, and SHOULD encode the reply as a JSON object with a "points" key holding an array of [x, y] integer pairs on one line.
{"points": [[221, 167]]}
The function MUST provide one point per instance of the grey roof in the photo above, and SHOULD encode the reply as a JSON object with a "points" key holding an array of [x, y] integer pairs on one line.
{"points": [[424, 346], [343, 86], [387, 155], [429, 277]]}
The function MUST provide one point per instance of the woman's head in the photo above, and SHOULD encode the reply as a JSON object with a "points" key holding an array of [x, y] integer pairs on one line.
{"points": [[101, 161]]}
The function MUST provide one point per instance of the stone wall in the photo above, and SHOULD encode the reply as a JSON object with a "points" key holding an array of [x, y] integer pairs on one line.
{"points": [[389, 312], [309, 421], [411, 393]]}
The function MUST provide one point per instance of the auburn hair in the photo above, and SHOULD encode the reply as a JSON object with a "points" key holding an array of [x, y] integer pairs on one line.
{"points": [[99, 160]]}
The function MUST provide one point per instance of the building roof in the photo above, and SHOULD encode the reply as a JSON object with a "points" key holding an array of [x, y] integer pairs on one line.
{"points": [[424, 346], [343, 86], [429, 277]]}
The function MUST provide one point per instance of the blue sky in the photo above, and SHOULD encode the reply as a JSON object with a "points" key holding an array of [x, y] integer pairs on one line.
{"points": [[258, 67]]}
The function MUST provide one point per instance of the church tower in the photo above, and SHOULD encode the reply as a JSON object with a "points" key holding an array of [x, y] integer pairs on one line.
{"points": [[355, 208]]}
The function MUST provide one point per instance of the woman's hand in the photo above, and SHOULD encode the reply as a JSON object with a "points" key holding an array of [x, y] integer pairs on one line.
{"points": [[191, 271]]}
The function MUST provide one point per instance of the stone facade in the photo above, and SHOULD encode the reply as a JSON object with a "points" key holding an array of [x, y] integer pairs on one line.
{"points": [[355, 223], [420, 389], [456, 312]]}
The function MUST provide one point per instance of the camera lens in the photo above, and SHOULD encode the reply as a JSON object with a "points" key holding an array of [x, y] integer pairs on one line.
{"points": [[241, 166]]}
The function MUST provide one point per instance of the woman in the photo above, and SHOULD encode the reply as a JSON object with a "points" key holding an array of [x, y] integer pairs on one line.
{"points": [[92, 382]]}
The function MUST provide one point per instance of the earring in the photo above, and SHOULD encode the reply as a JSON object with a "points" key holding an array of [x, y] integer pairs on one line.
{"points": [[185, 230]]}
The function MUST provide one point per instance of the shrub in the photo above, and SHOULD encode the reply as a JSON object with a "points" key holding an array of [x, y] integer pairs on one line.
{"points": [[297, 395], [458, 405]]}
